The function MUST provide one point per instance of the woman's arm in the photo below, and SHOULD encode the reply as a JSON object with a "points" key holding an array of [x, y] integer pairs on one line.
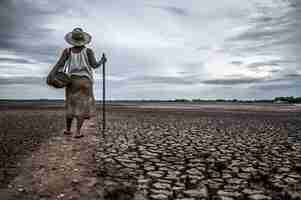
{"points": [[92, 60]]}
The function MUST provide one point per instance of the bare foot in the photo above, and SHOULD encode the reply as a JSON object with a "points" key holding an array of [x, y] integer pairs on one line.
{"points": [[67, 132], [78, 136], [87, 115]]}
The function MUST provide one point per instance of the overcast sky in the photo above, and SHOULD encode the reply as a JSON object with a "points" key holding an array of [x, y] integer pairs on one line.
{"points": [[245, 49]]}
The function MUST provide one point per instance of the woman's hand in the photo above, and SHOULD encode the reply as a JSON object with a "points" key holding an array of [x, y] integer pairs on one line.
{"points": [[102, 61]]}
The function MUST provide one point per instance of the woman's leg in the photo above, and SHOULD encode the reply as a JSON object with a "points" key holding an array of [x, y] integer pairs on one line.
{"points": [[68, 123], [80, 122], [68, 126], [68, 117]]}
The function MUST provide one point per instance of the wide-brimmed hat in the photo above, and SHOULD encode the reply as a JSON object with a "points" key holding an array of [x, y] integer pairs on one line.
{"points": [[78, 37]]}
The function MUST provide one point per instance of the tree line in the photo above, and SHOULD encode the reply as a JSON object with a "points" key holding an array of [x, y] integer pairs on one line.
{"points": [[289, 99]]}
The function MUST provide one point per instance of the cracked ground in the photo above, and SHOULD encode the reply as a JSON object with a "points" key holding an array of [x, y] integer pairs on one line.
{"points": [[169, 154]]}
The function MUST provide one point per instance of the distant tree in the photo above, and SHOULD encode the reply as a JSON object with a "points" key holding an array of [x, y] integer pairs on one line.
{"points": [[182, 100], [289, 99], [297, 100], [220, 100], [197, 100]]}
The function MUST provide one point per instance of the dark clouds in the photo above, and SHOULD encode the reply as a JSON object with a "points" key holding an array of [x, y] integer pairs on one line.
{"points": [[23, 80], [293, 76], [182, 80], [16, 60], [237, 63], [171, 47], [238, 80], [23, 31], [259, 64], [292, 85], [233, 81], [270, 31], [173, 10]]}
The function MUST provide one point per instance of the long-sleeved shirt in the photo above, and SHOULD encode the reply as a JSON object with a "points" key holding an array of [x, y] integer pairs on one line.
{"points": [[81, 63]]}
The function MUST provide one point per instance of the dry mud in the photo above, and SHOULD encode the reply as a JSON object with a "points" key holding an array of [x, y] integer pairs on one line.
{"points": [[22, 131], [149, 153], [174, 154]]}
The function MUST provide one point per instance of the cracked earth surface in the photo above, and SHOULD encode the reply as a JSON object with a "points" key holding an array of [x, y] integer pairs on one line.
{"points": [[160, 154], [198, 155]]}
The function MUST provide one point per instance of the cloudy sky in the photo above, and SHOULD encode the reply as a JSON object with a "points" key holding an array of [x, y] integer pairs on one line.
{"points": [[245, 49]]}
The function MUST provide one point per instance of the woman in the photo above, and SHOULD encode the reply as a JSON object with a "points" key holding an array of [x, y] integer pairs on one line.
{"points": [[79, 62]]}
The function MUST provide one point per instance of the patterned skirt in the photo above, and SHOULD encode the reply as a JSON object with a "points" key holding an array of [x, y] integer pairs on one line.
{"points": [[80, 101]]}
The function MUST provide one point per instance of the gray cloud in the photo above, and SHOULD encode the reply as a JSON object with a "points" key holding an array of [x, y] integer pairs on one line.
{"points": [[25, 80], [16, 60], [260, 64], [23, 28], [171, 80], [173, 10], [285, 79], [274, 70], [270, 32], [263, 34], [233, 81], [238, 63], [277, 87], [293, 76]]}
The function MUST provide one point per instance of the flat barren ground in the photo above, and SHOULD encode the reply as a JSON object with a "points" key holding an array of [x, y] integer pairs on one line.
{"points": [[151, 152], [22, 131]]}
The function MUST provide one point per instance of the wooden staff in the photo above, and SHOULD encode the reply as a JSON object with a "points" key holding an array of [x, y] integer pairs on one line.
{"points": [[104, 59]]}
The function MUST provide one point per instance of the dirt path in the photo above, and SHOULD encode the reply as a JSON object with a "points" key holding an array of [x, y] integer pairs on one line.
{"points": [[62, 168]]}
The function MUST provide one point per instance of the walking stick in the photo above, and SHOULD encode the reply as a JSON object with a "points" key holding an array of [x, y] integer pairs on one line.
{"points": [[102, 166], [103, 95]]}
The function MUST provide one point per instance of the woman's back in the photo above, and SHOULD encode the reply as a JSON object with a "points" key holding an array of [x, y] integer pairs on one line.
{"points": [[78, 60], [78, 63]]}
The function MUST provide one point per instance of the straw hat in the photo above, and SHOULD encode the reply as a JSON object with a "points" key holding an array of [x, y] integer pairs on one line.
{"points": [[78, 37]]}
